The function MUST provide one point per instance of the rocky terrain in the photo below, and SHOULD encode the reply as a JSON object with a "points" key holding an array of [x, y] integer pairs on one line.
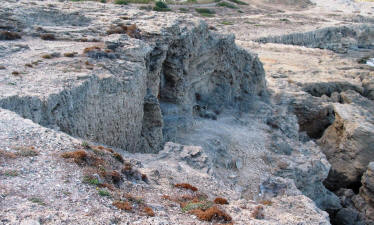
{"points": [[259, 112]]}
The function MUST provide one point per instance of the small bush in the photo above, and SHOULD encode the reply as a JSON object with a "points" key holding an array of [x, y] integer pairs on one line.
{"points": [[149, 211], [212, 214], [121, 2], [79, 156], [193, 205], [2, 67], [28, 65], [15, 73], [122, 205], [227, 5], [227, 23], [70, 54], [161, 7], [11, 173], [266, 202], [8, 36], [183, 10], [221, 201], [186, 186], [48, 37], [90, 49]]}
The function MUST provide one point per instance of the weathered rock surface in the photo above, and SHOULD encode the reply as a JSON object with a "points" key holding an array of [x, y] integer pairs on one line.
{"points": [[348, 142], [338, 39]]}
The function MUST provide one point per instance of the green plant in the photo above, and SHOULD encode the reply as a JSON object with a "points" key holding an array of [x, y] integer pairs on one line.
{"points": [[183, 10], [161, 7], [103, 1], [85, 144], [239, 2], [37, 201], [120, 2], [103, 193], [205, 12], [197, 205], [227, 5], [227, 23], [11, 173], [91, 180]]}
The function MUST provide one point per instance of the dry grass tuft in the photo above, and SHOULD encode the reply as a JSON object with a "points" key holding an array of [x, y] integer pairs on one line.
{"points": [[90, 49], [258, 212], [186, 186], [119, 157], [26, 151], [212, 214], [221, 201], [7, 155], [130, 30], [70, 54], [149, 211], [79, 156], [122, 205], [48, 37], [266, 202]]}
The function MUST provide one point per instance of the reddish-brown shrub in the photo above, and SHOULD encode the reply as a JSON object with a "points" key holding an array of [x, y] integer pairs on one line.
{"points": [[130, 30], [186, 186], [266, 202], [221, 201], [79, 155], [90, 49], [149, 211], [213, 213], [122, 205]]}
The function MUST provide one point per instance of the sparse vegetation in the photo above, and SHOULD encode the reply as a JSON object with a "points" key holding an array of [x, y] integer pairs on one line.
{"points": [[11, 173], [91, 180], [266, 202], [28, 65], [37, 201], [184, 10], [104, 193], [186, 186], [26, 151], [205, 12], [227, 5], [85, 144], [227, 23], [131, 30], [15, 73], [121, 2], [2, 67], [363, 60], [90, 49]]}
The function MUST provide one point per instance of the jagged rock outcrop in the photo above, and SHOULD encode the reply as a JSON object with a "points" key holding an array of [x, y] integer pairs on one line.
{"points": [[182, 63], [348, 142], [338, 39]]}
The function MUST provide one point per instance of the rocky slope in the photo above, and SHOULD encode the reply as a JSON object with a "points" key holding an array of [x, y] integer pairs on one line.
{"points": [[87, 88]]}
